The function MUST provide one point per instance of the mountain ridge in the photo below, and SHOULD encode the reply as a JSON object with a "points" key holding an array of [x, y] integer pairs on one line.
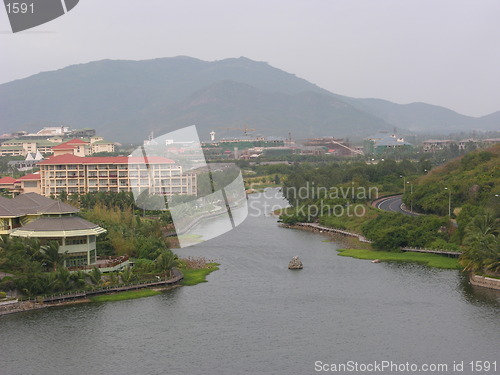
{"points": [[126, 99]]}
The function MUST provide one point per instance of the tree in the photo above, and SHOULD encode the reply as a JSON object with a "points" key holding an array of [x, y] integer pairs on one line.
{"points": [[166, 261], [78, 279], [52, 257], [95, 275], [482, 253], [63, 195], [63, 279], [127, 275]]}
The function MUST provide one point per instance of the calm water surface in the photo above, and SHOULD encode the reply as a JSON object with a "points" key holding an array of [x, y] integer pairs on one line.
{"points": [[255, 316]]}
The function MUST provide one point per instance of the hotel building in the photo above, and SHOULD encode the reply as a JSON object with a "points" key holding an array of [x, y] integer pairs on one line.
{"points": [[33, 216], [75, 174]]}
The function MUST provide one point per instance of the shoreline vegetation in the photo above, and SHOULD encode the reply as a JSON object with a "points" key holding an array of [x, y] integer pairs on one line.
{"points": [[430, 260], [359, 250], [192, 276], [195, 271]]}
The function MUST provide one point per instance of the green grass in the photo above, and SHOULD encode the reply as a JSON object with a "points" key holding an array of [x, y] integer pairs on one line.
{"points": [[130, 294], [431, 260], [193, 277]]}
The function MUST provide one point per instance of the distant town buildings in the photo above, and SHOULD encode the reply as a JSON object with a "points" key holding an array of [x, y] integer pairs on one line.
{"points": [[81, 142], [383, 142], [436, 145], [332, 146]]}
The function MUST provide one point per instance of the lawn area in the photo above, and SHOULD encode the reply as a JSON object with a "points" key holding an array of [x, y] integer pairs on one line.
{"points": [[196, 276], [130, 294], [431, 260]]}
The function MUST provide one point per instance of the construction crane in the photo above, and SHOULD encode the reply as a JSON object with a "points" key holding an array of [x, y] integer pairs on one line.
{"points": [[245, 129]]}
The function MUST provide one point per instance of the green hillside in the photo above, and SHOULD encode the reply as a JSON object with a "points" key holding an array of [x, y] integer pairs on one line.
{"points": [[473, 179]]}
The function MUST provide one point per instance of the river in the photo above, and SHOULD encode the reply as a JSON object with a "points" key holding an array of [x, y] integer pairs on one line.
{"points": [[254, 316]]}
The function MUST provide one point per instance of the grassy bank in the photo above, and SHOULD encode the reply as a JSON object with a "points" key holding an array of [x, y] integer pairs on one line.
{"points": [[191, 277], [196, 276], [130, 294], [431, 260]]}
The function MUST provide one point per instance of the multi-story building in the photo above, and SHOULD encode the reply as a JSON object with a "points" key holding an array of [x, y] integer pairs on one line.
{"points": [[435, 145], [31, 215], [74, 174], [15, 147], [28, 184], [79, 147], [383, 142]]}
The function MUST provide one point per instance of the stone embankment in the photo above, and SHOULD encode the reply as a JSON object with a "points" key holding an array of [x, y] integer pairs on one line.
{"points": [[485, 282]]}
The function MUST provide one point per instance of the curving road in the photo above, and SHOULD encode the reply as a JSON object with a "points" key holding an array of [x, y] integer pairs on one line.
{"points": [[393, 204]]}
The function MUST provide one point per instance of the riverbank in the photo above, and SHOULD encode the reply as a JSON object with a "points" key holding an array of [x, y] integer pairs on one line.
{"points": [[363, 249], [430, 260], [197, 276], [484, 281], [189, 277]]}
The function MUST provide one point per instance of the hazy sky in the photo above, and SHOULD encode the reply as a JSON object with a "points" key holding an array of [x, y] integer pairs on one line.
{"points": [[441, 52]]}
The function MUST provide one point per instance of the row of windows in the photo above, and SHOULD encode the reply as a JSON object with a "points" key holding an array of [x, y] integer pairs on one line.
{"points": [[81, 240]]}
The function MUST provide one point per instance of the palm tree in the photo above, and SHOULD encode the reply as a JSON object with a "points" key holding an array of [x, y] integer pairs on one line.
{"points": [[166, 261], [63, 279], [482, 243], [95, 275], [113, 278], [78, 279], [127, 275], [53, 258]]}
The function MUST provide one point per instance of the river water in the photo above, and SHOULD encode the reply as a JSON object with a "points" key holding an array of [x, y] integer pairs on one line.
{"points": [[255, 316]]}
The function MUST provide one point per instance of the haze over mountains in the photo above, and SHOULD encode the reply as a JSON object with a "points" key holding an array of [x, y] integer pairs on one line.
{"points": [[126, 100]]}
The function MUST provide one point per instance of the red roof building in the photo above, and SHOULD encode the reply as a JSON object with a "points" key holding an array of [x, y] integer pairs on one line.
{"points": [[74, 174], [29, 183]]}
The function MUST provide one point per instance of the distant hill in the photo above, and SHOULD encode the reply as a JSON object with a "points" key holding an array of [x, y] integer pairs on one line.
{"points": [[125, 100]]}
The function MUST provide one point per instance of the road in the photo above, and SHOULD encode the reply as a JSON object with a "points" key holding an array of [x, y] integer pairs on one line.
{"points": [[393, 204]]}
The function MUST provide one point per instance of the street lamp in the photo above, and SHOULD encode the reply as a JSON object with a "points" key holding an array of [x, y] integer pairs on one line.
{"points": [[411, 196], [404, 183], [449, 201]]}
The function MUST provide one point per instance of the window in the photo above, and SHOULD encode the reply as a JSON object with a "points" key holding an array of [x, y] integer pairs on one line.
{"points": [[81, 240]]}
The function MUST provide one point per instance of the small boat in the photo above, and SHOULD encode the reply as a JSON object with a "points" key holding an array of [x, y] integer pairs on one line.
{"points": [[376, 261]]}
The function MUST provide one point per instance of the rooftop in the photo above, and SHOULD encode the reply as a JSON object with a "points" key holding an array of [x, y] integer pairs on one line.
{"points": [[7, 180], [8, 208], [30, 177], [36, 204], [68, 223], [63, 146], [73, 159]]}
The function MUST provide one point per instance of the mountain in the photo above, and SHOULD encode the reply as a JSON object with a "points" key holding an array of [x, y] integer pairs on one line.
{"points": [[126, 100]]}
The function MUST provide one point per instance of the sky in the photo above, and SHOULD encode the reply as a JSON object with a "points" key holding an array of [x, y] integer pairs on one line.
{"points": [[439, 52]]}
